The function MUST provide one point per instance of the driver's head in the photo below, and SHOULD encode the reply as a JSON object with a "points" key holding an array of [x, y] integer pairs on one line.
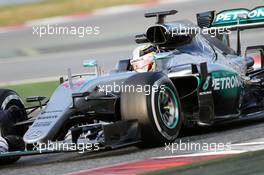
{"points": [[142, 60]]}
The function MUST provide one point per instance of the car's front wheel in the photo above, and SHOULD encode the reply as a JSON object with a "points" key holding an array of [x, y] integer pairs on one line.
{"points": [[12, 111], [157, 107]]}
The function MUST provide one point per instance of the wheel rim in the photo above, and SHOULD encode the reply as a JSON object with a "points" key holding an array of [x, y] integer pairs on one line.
{"points": [[168, 108]]}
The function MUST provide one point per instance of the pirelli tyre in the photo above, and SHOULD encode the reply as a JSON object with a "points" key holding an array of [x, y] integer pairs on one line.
{"points": [[155, 103], [12, 111]]}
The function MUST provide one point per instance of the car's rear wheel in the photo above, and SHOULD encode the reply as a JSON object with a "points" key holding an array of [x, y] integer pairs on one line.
{"points": [[158, 112], [13, 111]]}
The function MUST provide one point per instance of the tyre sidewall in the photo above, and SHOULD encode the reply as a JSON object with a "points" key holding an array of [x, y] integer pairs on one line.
{"points": [[169, 134], [8, 99], [11, 135]]}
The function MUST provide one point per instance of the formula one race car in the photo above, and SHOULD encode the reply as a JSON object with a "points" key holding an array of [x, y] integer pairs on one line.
{"points": [[194, 79]]}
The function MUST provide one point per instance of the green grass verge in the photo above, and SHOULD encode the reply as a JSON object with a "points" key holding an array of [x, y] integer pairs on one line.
{"points": [[13, 15], [34, 89]]}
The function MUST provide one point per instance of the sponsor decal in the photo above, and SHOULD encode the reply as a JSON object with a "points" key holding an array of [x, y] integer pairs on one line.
{"points": [[76, 84], [41, 124], [205, 93], [228, 82], [51, 112], [43, 117], [231, 17], [34, 134]]}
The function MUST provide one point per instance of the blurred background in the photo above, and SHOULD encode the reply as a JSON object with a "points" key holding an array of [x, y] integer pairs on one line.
{"points": [[15, 2]]}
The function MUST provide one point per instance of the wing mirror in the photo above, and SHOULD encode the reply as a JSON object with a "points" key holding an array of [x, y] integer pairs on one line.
{"points": [[257, 53], [89, 63], [92, 63]]}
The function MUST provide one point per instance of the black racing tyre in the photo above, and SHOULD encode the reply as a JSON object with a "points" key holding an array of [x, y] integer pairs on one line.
{"points": [[158, 112], [15, 143], [13, 111]]}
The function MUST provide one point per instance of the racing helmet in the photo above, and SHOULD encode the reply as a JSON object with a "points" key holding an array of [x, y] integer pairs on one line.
{"points": [[142, 60]]}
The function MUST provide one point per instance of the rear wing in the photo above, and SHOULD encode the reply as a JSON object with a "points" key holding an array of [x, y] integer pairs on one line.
{"points": [[232, 20]]}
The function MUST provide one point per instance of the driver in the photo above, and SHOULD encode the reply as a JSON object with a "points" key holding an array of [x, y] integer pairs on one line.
{"points": [[142, 60]]}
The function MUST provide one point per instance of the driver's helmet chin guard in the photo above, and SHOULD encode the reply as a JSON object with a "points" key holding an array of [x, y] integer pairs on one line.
{"points": [[142, 60]]}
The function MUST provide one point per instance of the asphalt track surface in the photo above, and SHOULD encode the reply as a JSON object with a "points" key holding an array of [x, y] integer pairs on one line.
{"points": [[25, 56], [64, 163]]}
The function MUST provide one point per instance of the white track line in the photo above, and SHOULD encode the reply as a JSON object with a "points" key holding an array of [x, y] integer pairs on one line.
{"points": [[202, 154], [117, 10], [50, 21], [248, 144]]}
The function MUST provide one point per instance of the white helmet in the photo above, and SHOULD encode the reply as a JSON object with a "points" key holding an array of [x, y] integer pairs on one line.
{"points": [[142, 60]]}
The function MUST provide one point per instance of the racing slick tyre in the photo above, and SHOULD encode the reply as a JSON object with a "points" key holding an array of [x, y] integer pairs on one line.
{"points": [[156, 107], [12, 111]]}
